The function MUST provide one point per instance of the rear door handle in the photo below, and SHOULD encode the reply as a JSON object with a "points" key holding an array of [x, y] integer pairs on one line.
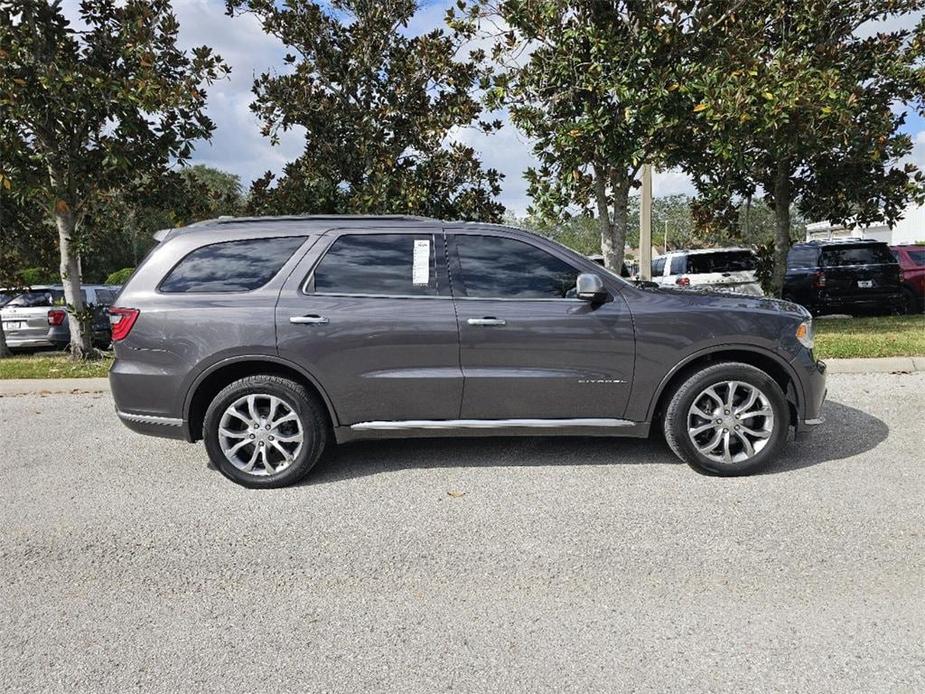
{"points": [[488, 320], [308, 320]]}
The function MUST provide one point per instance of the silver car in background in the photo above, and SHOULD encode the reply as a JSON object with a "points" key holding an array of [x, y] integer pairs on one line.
{"points": [[37, 318]]}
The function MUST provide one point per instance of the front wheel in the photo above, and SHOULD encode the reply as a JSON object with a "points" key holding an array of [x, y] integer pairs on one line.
{"points": [[727, 419], [265, 431]]}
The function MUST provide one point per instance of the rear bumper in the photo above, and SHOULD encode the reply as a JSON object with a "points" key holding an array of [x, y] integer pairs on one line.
{"points": [[12, 340], [849, 302], [150, 425], [145, 397]]}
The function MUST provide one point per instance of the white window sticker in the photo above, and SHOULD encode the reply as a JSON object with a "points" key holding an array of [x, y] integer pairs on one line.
{"points": [[420, 271]]}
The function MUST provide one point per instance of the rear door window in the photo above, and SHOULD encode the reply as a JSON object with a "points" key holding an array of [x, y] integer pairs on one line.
{"points": [[232, 266], [380, 265], [501, 268], [917, 257], [722, 261], [868, 254]]}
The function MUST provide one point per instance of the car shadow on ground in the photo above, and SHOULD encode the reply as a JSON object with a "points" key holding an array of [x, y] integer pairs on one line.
{"points": [[846, 432]]}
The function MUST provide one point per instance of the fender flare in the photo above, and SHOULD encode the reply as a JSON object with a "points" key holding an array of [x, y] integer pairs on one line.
{"points": [[269, 358], [740, 347]]}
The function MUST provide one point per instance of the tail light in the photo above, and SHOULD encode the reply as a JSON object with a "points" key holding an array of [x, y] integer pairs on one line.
{"points": [[57, 316], [683, 281], [122, 320], [818, 280]]}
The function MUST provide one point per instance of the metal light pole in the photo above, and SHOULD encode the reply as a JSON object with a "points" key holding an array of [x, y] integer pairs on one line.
{"points": [[645, 224]]}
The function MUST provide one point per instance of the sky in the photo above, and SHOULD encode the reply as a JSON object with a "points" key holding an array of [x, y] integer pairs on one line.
{"points": [[238, 147]]}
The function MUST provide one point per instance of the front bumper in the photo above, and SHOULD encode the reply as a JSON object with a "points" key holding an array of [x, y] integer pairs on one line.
{"points": [[811, 374]]}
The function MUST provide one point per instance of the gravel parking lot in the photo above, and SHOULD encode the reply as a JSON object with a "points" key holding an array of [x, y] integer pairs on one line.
{"points": [[472, 565]]}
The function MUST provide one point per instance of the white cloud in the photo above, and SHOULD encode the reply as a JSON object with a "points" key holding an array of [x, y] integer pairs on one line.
{"points": [[892, 23], [237, 145]]}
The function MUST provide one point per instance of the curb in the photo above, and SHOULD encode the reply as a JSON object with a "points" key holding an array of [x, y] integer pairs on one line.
{"points": [[881, 365], [53, 386]]}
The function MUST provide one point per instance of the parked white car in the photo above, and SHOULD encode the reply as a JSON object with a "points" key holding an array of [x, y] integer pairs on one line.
{"points": [[721, 269]]}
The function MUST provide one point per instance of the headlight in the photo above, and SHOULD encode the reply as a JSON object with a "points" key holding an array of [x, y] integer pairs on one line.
{"points": [[805, 334]]}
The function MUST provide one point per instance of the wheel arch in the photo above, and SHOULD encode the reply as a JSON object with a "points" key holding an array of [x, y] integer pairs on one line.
{"points": [[213, 379], [767, 361]]}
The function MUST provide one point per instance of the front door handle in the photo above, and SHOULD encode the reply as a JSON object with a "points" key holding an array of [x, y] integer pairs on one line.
{"points": [[488, 320], [313, 319]]}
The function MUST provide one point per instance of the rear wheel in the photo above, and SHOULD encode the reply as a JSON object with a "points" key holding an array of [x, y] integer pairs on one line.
{"points": [[265, 431], [727, 419]]}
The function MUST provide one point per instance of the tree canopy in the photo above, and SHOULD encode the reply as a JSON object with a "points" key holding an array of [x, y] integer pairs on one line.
{"points": [[796, 102], [85, 112], [595, 85], [382, 113]]}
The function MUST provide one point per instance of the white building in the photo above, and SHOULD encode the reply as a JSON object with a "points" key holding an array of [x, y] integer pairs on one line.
{"points": [[909, 229]]}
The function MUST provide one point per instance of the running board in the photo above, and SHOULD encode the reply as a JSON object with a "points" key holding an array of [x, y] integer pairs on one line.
{"points": [[489, 424]]}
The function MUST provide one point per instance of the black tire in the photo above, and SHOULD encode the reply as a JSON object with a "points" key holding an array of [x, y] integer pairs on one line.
{"points": [[312, 419], [675, 421], [910, 304]]}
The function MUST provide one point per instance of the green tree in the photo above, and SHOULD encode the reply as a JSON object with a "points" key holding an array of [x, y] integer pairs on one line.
{"points": [[83, 111], [378, 107], [595, 85], [794, 105], [118, 227]]}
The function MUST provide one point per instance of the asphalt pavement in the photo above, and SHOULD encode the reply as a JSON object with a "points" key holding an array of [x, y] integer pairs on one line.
{"points": [[486, 565]]}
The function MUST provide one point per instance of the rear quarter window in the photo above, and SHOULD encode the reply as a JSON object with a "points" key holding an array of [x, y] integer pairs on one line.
{"points": [[230, 266], [802, 257]]}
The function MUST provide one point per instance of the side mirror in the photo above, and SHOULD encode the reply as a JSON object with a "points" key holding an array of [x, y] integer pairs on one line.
{"points": [[590, 287]]}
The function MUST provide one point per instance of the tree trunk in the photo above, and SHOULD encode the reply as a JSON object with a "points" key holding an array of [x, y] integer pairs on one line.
{"points": [[77, 318], [4, 350], [782, 194], [608, 242], [620, 184]]}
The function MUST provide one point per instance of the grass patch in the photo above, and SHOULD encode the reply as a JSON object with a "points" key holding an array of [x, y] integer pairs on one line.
{"points": [[881, 336], [52, 365]]}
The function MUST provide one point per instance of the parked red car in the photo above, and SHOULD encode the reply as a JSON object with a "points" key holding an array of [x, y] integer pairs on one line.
{"points": [[911, 261]]}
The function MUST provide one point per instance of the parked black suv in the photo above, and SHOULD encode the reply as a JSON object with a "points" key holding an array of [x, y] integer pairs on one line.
{"points": [[846, 275], [269, 338]]}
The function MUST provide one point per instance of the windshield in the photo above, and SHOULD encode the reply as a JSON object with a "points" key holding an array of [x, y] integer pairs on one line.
{"points": [[41, 297], [721, 261], [4, 298]]}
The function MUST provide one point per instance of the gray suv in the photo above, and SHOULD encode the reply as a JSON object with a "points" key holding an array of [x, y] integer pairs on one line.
{"points": [[270, 338]]}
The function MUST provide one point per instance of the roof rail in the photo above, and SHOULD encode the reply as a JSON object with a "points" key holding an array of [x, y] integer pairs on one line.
{"points": [[325, 217]]}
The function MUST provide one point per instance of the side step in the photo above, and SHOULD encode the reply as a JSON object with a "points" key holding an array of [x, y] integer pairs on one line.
{"points": [[489, 424]]}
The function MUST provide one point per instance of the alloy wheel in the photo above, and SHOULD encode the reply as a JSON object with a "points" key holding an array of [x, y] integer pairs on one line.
{"points": [[260, 434], [730, 422]]}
